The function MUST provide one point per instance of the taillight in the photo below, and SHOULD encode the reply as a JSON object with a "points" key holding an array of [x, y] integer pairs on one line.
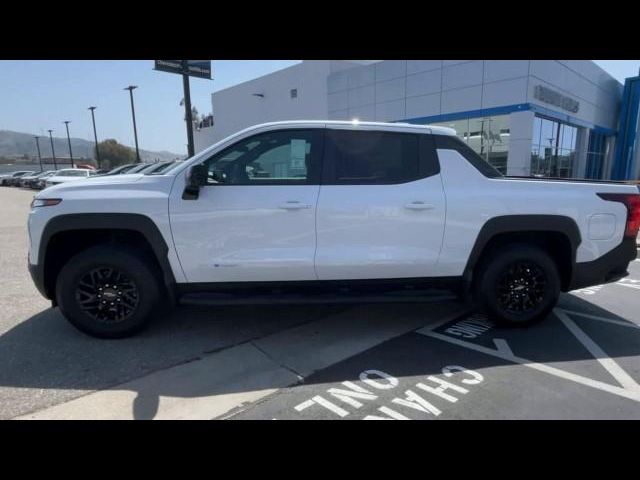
{"points": [[632, 202]]}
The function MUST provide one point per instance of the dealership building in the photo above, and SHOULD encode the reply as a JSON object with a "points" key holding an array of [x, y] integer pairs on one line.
{"points": [[550, 118]]}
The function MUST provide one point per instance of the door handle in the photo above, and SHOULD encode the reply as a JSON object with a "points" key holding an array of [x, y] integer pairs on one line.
{"points": [[419, 206], [294, 205]]}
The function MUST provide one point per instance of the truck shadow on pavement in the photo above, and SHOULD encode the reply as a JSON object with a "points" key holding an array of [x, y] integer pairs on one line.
{"points": [[44, 352]]}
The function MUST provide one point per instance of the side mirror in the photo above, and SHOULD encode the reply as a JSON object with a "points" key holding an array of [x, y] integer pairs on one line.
{"points": [[197, 176]]}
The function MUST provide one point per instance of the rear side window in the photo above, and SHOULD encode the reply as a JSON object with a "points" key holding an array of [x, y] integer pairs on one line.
{"points": [[369, 157], [450, 142]]}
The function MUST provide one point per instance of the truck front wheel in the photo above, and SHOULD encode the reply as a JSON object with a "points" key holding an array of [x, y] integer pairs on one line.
{"points": [[107, 291], [517, 285]]}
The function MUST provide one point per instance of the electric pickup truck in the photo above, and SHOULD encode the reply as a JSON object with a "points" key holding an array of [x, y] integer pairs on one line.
{"points": [[308, 206]]}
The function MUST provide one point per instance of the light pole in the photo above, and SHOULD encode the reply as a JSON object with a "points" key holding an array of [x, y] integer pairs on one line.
{"points": [[66, 124], [187, 108], [131, 88], [39, 156], [95, 136], [53, 151]]}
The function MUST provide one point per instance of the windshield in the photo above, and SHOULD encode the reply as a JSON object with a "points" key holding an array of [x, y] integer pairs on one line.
{"points": [[71, 173]]}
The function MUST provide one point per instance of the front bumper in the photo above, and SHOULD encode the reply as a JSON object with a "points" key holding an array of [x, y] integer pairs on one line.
{"points": [[37, 275], [611, 267]]}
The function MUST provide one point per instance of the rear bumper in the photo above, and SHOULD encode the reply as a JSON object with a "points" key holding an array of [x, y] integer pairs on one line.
{"points": [[606, 269]]}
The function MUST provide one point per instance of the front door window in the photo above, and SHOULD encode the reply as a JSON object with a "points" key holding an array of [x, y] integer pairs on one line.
{"points": [[274, 158]]}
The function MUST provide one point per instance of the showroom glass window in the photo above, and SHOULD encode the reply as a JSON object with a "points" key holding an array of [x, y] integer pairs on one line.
{"points": [[553, 148], [487, 136], [283, 157], [596, 155]]}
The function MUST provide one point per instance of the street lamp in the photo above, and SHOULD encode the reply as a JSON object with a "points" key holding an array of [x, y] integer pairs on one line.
{"points": [[39, 156], [131, 88], [66, 124], [95, 135], [53, 151]]}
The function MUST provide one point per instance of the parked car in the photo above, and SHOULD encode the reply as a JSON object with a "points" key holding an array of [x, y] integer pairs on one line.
{"points": [[28, 181], [139, 168], [316, 205], [161, 167], [11, 179], [68, 175], [122, 169], [40, 183]]}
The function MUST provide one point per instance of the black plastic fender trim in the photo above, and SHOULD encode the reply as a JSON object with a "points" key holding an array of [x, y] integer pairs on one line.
{"points": [[520, 224], [104, 221]]}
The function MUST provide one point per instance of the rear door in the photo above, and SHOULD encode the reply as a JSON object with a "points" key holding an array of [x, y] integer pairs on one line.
{"points": [[381, 209]]}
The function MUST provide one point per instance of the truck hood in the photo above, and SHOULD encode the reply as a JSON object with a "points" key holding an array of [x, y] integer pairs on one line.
{"points": [[113, 179], [90, 183]]}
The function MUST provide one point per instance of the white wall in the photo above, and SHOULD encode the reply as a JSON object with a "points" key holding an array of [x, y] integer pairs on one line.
{"points": [[393, 90], [599, 94], [203, 138], [404, 89], [236, 108], [521, 126]]}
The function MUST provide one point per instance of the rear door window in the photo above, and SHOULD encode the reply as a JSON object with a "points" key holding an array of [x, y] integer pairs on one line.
{"points": [[376, 158]]}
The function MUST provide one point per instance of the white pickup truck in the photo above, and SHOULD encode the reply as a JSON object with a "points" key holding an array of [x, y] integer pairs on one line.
{"points": [[310, 206]]}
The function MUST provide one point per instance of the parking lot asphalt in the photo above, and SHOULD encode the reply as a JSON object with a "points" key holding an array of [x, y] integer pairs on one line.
{"points": [[435, 360]]}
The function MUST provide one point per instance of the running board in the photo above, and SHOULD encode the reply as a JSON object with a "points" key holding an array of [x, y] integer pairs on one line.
{"points": [[218, 299]]}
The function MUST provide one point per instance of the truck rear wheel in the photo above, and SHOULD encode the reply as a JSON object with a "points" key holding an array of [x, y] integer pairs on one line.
{"points": [[107, 291], [517, 285]]}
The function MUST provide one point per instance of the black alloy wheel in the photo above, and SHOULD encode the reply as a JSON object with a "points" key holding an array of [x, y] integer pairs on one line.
{"points": [[521, 287], [107, 295]]}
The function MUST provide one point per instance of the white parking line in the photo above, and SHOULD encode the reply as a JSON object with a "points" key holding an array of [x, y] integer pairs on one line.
{"points": [[631, 394], [503, 346], [608, 364], [603, 319]]}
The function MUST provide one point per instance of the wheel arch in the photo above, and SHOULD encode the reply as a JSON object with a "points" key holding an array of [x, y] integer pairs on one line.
{"points": [[558, 234], [95, 228]]}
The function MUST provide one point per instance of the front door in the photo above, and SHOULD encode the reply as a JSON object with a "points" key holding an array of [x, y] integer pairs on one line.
{"points": [[255, 220]]}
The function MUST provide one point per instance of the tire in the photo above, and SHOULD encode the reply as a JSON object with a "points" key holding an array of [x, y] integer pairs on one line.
{"points": [[120, 310], [517, 285]]}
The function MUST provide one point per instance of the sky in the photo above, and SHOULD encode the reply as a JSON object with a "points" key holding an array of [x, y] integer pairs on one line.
{"points": [[39, 95]]}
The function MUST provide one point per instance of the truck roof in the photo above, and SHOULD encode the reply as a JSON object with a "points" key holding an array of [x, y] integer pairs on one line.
{"points": [[391, 126]]}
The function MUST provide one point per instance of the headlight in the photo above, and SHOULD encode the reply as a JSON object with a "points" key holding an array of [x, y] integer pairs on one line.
{"points": [[45, 202]]}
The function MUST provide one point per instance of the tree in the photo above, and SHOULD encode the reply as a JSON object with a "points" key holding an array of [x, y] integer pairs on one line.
{"points": [[113, 154], [195, 115]]}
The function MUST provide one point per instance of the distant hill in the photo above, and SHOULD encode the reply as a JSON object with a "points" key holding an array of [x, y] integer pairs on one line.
{"points": [[17, 144]]}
